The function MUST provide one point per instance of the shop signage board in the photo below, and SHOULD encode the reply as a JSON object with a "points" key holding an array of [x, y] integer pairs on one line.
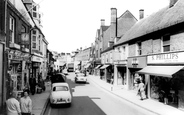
{"points": [[124, 62], [18, 55], [36, 59], [166, 58]]}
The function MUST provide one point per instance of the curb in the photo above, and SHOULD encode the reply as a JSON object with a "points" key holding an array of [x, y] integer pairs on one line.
{"points": [[45, 106], [125, 98]]}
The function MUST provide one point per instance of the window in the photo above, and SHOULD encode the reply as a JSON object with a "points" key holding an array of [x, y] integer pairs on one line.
{"points": [[12, 29], [166, 43], [34, 38], [34, 32], [34, 14], [139, 48], [34, 45], [34, 8]]}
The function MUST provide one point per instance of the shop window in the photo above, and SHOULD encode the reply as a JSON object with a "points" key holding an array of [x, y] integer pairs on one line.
{"points": [[166, 43]]}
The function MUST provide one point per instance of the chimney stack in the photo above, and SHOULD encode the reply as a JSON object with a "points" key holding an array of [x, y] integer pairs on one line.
{"points": [[102, 22], [172, 2], [141, 14], [113, 15]]}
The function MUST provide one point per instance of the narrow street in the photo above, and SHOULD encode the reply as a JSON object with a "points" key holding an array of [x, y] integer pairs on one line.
{"points": [[89, 99]]}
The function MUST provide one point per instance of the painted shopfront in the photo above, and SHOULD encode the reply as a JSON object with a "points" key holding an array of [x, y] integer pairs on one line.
{"points": [[166, 76]]}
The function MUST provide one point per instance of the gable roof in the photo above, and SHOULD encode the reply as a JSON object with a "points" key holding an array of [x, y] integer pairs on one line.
{"points": [[162, 19], [104, 28], [125, 22]]}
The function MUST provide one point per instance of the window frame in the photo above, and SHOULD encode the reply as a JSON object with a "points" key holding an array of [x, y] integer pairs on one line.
{"points": [[12, 29], [166, 41]]}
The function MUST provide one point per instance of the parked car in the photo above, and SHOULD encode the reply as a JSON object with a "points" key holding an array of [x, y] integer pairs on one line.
{"points": [[60, 94], [80, 78], [58, 77], [77, 71], [65, 72]]}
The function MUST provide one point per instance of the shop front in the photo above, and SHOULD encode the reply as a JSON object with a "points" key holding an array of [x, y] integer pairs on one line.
{"points": [[134, 65], [166, 76], [107, 72], [120, 72], [36, 67], [18, 70]]}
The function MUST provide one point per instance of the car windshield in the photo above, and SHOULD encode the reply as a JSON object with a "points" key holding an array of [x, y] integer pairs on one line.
{"points": [[60, 88]]}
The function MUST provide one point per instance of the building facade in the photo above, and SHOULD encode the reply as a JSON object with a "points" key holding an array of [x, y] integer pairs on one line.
{"points": [[155, 52]]}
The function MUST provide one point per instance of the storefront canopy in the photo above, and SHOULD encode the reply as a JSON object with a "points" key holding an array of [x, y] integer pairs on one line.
{"points": [[86, 66], [97, 66], [104, 66], [165, 71]]}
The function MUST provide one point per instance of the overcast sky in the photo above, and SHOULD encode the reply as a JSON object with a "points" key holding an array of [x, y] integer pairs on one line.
{"points": [[71, 24]]}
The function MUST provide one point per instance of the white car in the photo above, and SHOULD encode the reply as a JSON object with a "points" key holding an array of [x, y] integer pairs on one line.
{"points": [[80, 78], [77, 71], [60, 94], [65, 71]]}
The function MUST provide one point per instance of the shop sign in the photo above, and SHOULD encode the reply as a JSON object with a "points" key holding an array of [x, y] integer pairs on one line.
{"points": [[18, 55], [25, 38], [14, 77], [36, 59], [124, 62], [177, 57]]}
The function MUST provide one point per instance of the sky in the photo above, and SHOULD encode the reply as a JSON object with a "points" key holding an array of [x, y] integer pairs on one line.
{"points": [[71, 24]]}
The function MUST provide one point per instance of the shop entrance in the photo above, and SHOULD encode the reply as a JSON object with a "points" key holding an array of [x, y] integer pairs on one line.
{"points": [[121, 76]]}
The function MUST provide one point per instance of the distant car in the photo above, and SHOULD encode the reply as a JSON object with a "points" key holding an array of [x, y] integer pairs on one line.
{"points": [[80, 78], [77, 71], [65, 72], [60, 94], [57, 78]]}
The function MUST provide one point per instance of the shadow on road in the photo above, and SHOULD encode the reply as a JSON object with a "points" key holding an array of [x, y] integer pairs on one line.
{"points": [[81, 105]]}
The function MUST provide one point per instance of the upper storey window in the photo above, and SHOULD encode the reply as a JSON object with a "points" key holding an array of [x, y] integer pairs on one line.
{"points": [[139, 49], [166, 43], [12, 29]]}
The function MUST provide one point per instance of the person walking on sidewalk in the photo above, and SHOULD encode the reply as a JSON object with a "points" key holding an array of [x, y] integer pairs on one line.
{"points": [[141, 90], [26, 104], [13, 105]]}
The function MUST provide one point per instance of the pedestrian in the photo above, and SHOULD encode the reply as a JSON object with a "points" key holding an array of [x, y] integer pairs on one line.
{"points": [[32, 82], [141, 90], [26, 104], [112, 78], [13, 105]]}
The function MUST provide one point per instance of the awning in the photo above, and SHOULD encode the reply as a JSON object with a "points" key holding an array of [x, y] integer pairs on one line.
{"points": [[97, 66], [86, 66], [104, 66], [165, 71]]}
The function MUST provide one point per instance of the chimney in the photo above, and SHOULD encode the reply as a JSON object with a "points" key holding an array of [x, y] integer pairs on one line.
{"points": [[113, 15], [102, 22], [141, 14], [172, 2]]}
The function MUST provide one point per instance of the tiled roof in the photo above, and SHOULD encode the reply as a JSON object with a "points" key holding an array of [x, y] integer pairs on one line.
{"points": [[104, 28], [125, 22], [162, 19]]}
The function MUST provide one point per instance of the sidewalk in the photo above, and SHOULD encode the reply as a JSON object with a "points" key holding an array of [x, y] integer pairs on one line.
{"points": [[148, 104], [40, 101]]}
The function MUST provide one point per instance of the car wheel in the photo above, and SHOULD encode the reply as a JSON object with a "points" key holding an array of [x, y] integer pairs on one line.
{"points": [[69, 104]]}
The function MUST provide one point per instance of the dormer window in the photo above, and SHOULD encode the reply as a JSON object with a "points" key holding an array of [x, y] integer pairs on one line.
{"points": [[166, 43]]}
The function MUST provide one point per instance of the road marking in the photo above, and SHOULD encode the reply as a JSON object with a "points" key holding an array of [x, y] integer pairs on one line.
{"points": [[49, 111]]}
